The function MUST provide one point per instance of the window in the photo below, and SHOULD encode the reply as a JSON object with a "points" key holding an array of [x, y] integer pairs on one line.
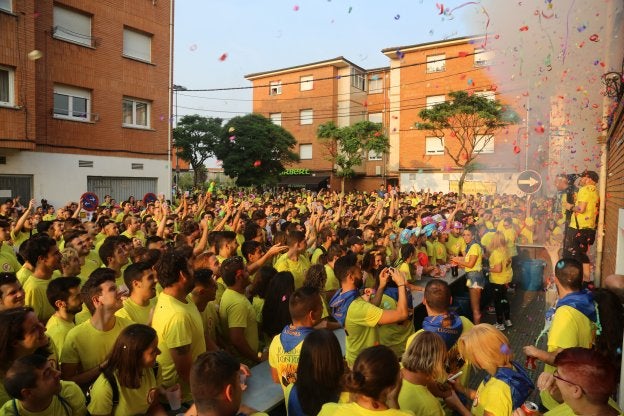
{"points": [[306, 116], [72, 26], [6, 5], [487, 94], [6, 86], [373, 155], [434, 146], [436, 63], [136, 113], [305, 151], [276, 118], [306, 83], [72, 103], [137, 45], [484, 144], [435, 99], [483, 57], [375, 85], [358, 80], [275, 87], [375, 117]]}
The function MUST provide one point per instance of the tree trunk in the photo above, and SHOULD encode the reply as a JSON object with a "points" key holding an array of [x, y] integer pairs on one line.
{"points": [[460, 184], [342, 184]]}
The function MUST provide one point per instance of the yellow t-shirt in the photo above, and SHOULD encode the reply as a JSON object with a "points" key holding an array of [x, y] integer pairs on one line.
{"points": [[131, 401], [8, 260], [139, 234], [475, 250], [431, 252], [440, 251], [57, 330], [83, 316], [418, 399], [361, 328], [235, 311], [88, 346], [74, 404], [210, 319], [92, 262], [455, 245], [23, 274], [587, 219], [404, 268], [35, 297], [258, 303], [137, 313], [177, 324], [500, 256], [20, 237], [285, 363], [486, 240], [344, 397], [395, 335], [564, 410], [332, 282], [316, 255], [493, 397], [570, 328], [297, 268], [510, 238], [354, 409]]}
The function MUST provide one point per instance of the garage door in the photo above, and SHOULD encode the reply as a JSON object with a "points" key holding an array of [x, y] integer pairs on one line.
{"points": [[121, 188], [16, 185]]}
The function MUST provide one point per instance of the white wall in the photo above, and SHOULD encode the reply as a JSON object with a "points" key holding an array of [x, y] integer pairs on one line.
{"points": [[57, 177], [439, 181]]}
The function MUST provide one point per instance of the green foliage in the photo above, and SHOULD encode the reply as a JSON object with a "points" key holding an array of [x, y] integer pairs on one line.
{"points": [[347, 146], [247, 140], [471, 121], [195, 137]]}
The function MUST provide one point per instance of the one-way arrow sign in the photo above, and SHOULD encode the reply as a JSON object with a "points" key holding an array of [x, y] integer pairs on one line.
{"points": [[529, 181]]}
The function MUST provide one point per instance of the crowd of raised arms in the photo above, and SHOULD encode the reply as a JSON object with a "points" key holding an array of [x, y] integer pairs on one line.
{"points": [[130, 307]]}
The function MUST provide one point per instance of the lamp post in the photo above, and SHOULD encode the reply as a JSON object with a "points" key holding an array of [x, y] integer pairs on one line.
{"points": [[177, 88]]}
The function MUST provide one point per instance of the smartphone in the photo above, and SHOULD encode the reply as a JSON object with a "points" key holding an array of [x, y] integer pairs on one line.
{"points": [[454, 376]]}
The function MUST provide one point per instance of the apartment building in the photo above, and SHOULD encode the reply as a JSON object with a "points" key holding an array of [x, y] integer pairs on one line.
{"points": [[85, 102], [302, 97]]}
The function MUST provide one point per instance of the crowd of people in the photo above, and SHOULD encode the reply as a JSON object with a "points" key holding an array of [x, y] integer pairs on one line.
{"points": [[138, 307]]}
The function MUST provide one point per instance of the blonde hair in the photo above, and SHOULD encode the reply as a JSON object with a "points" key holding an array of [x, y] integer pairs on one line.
{"points": [[498, 241], [486, 347], [67, 254], [426, 354]]}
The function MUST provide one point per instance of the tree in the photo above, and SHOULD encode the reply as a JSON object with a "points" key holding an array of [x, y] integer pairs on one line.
{"points": [[471, 121], [195, 137], [254, 150], [347, 146]]}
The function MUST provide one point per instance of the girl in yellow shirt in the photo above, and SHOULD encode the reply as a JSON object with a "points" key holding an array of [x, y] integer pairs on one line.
{"points": [[500, 275]]}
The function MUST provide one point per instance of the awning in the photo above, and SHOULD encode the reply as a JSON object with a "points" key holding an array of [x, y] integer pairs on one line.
{"points": [[313, 183]]}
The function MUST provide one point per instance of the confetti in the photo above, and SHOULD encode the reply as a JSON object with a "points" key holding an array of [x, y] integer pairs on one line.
{"points": [[231, 129], [350, 8], [232, 138], [505, 349], [516, 149], [35, 54], [524, 28], [223, 57], [400, 54], [257, 164], [193, 48], [296, 8], [397, 17], [581, 28], [594, 38]]}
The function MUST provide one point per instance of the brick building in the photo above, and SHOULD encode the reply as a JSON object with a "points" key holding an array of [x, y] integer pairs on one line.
{"points": [[301, 98], [85, 102]]}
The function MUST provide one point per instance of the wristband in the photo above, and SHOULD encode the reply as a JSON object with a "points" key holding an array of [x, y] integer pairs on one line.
{"points": [[400, 285]]}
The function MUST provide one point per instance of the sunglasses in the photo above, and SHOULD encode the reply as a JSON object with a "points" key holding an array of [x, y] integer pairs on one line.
{"points": [[558, 377]]}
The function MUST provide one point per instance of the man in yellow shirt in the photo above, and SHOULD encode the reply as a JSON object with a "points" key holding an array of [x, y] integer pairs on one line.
{"points": [[573, 323], [581, 232], [203, 296], [8, 260], [64, 296], [38, 390], [81, 242], [44, 254], [11, 292], [115, 256], [237, 317], [140, 279], [177, 322], [359, 317], [305, 311], [294, 260], [88, 344]]}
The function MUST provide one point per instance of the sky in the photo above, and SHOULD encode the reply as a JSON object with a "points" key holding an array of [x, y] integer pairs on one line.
{"points": [[549, 53]]}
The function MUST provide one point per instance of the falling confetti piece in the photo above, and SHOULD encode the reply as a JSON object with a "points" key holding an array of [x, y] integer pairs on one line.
{"points": [[524, 28], [35, 54], [440, 7], [462, 54], [223, 57], [193, 47], [350, 8], [397, 17], [581, 28], [257, 163], [296, 8], [232, 138], [540, 129], [505, 349], [231, 129], [516, 149], [400, 54], [161, 117], [594, 38]]}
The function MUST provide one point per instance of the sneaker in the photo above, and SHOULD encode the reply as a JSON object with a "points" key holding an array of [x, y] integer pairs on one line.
{"points": [[491, 310], [508, 323], [500, 327]]}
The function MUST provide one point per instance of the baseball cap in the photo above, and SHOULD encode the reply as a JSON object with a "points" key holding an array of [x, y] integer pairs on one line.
{"points": [[457, 224], [591, 175], [426, 221]]}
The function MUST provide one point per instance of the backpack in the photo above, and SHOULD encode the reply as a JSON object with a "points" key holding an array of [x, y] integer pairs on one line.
{"points": [[110, 377]]}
